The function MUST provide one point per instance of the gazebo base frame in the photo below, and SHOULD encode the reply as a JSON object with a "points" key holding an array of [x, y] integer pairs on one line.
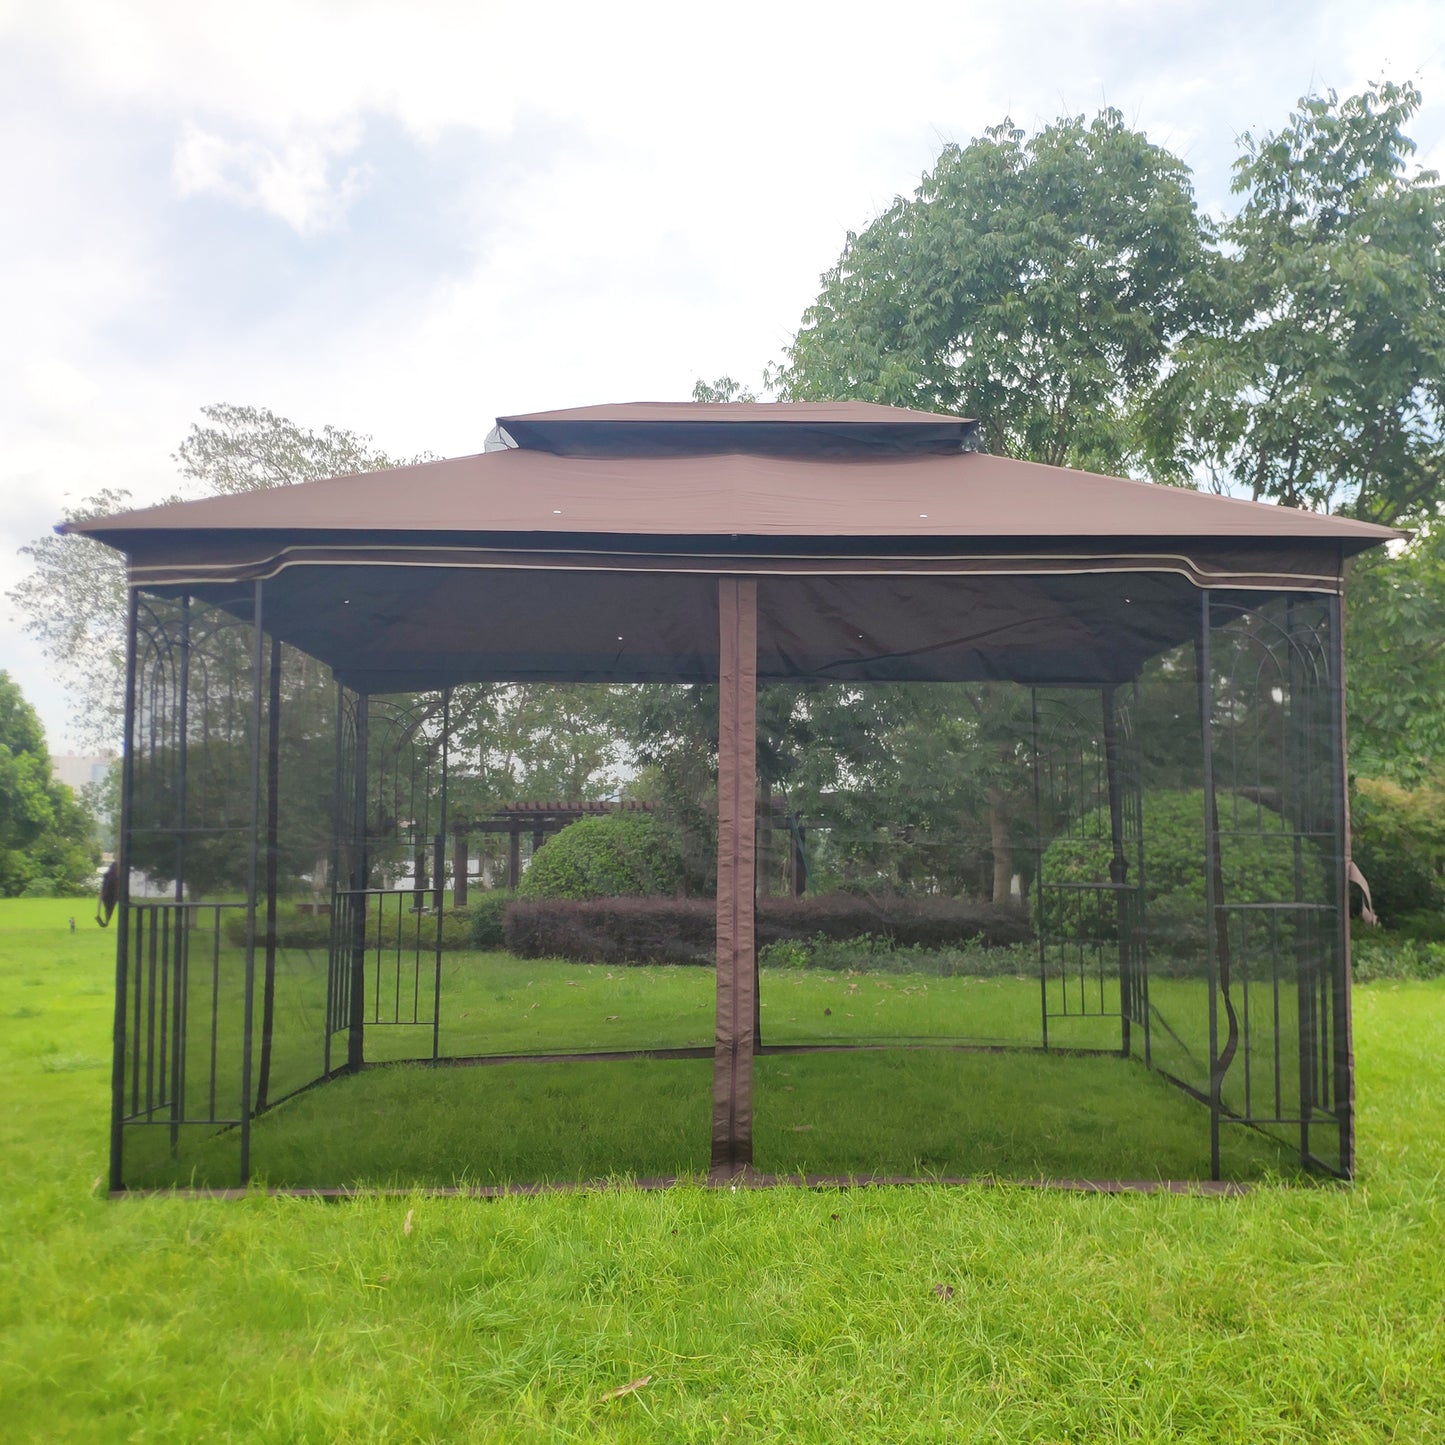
{"points": [[450, 1165], [722, 1178]]}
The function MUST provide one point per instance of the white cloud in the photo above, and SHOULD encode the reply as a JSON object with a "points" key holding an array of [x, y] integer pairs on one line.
{"points": [[55, 387], [295, 182]]}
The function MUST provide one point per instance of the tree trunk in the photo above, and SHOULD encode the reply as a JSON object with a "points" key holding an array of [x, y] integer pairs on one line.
{"points": [[1001, 841]]}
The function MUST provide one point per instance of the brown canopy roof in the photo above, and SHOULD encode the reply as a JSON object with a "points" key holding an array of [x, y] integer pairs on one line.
{"points": [[960, 499], [890, 549], [779, 428]]}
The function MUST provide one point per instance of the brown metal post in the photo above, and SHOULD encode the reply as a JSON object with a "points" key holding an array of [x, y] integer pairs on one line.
{"points": [[1344, 1033], [514, 855], [732, 1096], [1118, 864], [273, 850]]}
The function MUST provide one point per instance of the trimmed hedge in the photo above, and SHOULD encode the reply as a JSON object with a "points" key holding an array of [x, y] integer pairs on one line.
{"points": [[682, 930], [612, 930], [313, 931], [612, 855]]}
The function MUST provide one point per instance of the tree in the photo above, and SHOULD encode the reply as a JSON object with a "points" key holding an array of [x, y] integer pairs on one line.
{"points": [[723, 389], [1322, 382], [1395, 660], [73, 601], [1036, 284], [45, 834]]}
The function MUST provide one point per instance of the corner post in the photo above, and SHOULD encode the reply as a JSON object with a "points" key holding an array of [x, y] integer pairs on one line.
{"points": [[122, 928], [248, 1015], [1118, 867], [356, 1020], [1344, 1031], [732, 1095]]}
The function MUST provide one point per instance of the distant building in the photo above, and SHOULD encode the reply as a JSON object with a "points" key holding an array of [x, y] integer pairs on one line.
{"points": [[77, 772]]}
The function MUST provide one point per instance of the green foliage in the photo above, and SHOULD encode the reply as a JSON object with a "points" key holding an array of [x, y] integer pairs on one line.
{"points": [[311, 931], [1376, 954], [1034, 283], [1397, 836], [975, 958], [534, 741], [723, 389], [486, 911], [610, 856], [1257, 863], [46, 846], [1395, 659], [1322, 381]]}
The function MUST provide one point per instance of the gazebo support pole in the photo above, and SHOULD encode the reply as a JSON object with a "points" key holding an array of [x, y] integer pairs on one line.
{"points": [[1218, 917], [356, 1021], [273, 861], [1344, 1030], [732, 1090], [248, 1003], [122, 918], [439, 872], [1118, 863]]}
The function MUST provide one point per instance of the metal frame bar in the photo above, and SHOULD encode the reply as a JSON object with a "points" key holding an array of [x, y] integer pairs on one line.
{"points": [[439, 871], [248, 1004], [1344, 1031], [356, 1030], [1212, 878], [273, 842], [122, 937], [1118, 862]]}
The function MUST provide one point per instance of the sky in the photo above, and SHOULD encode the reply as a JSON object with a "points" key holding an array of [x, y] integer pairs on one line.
{"points": [[409, 218]]}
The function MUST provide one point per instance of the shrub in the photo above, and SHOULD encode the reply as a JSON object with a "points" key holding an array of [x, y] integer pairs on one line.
{"points": [[1397, 837], [1257, 864], [877, 955], [683, 930], [612, 930], [613, 855], [487, 910], [312, 931], [1379, 955], [898, 920]]}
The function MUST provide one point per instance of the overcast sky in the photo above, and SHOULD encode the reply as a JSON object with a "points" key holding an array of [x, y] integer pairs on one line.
{"points": [[408, 217]]}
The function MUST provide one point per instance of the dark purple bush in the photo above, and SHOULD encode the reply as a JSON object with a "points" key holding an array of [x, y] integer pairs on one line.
{"points": [[681, 930]]}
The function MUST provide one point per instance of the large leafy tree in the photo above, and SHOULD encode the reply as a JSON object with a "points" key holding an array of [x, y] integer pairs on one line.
{"points": [[45, 834], [1037, 283], [1322, 383], [1395, 663]]}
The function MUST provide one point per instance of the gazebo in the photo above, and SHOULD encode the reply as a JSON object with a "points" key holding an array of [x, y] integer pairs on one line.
{"points": [[1121, 701]]}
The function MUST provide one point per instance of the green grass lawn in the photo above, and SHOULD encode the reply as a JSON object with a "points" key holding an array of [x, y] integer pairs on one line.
{"points": [[1296, 1313]]}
